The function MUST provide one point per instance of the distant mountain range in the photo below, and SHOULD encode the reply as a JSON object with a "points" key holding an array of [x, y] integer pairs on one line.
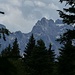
{"points": [[45, 29]]}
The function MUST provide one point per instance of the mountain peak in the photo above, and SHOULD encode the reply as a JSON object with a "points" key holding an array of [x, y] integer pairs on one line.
{"points": [[43, 19], [18, 32], [44, 29]]}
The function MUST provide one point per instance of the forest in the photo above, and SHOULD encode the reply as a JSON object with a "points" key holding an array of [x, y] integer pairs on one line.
{"points": [[39, 60]]}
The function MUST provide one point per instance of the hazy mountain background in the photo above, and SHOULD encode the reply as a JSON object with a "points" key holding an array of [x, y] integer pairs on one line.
{"points": [[48, 30]]}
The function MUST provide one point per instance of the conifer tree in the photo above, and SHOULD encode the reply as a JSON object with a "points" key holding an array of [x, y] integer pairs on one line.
{"points": [[38, 63], [3, 32], [6, 52], [6, 67], [15, 53], [51, 57], [51, 53], [66, 60], [68, 14], [29, 47], [66, 64]]}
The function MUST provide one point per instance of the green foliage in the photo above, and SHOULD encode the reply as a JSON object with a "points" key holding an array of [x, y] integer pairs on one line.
{"points": [[11, 52], [6, 52], [68, 14], [15, 53], [6, 68], [70, 2], [19, 66], [3, 32], [51, 59], [38, 62], [67, 59], [29, 47], [9, 66], [51, 53], [67, 36]]}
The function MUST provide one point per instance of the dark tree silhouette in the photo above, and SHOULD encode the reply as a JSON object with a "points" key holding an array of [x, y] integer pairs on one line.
{"points": [[38, 63], [29, 47], [66, 64], [68, 14], [6, 68], [15, 53], [1, 12], [51, 59], [66, 60], [6, 52]]}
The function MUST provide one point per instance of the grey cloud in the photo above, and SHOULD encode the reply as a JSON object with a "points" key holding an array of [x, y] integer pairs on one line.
{"points": [[23, 14]]}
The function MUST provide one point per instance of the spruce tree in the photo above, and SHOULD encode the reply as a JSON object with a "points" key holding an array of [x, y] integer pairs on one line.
{"points": [[51, 57], [38, 63], [29, 47], [4, 32], [51, 53], [6, 67], [66, 60], [15, 53], [68, 14], [6, 52]]}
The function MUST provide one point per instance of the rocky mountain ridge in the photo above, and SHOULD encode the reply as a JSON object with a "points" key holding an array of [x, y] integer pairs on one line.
{"points": [[45, 29]]}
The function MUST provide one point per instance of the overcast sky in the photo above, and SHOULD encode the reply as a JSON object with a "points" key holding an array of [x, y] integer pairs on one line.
{"points": [[23, 14]]}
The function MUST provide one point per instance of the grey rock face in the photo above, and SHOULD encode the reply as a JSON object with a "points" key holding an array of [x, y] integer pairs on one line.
{"points": [[45, 29]]}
